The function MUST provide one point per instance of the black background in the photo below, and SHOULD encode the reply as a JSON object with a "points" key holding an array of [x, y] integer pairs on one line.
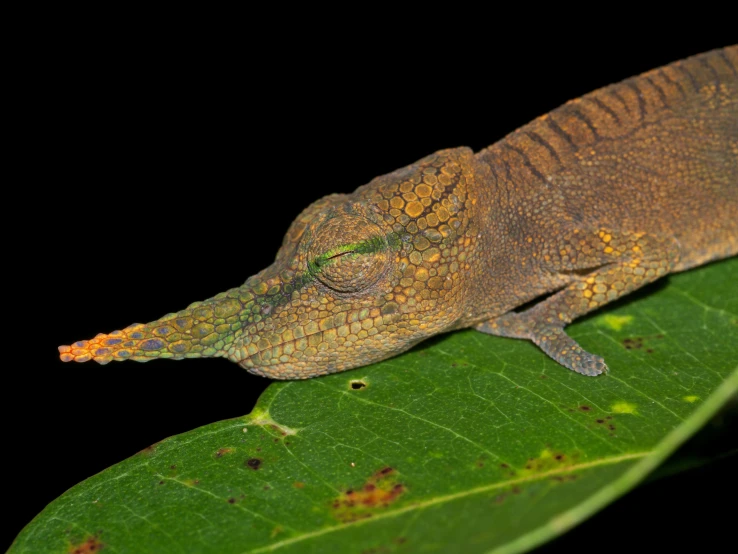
{"points": [[163, 166]]}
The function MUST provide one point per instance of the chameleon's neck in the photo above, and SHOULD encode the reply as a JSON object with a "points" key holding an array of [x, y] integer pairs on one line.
{"points": [[506, 269]]}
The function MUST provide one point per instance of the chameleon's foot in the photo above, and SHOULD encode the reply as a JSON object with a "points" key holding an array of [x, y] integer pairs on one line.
{"points": [[550, 338], [561, 347]]}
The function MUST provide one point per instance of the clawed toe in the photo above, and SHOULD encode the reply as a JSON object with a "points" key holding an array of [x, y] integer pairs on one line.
{"points": [[589, 364]]}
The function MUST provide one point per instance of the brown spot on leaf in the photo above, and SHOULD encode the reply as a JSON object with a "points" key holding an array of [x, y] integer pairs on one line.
{"points": [[172, 466], [92, 544], [253, 463], [550, 460], [298, 485], [278, 429], [149, 450], [635, 343], [231, 500], [585, 408], [222, 452], [379, 491]]}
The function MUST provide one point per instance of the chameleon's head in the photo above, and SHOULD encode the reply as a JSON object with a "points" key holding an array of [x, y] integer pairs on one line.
{"points": [[358, 278]]}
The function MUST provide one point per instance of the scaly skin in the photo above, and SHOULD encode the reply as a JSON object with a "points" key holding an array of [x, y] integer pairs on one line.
{"points": [[592, 201]]}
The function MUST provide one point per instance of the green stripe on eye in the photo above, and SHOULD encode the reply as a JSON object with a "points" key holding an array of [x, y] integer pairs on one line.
{"points": [[374, 244]]}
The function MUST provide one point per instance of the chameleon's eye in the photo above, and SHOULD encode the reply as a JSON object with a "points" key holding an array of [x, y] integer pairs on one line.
{"points": [[348, 254]]}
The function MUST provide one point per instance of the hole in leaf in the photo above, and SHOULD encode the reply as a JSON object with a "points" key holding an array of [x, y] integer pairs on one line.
{"points": [[356, 385], [254, 463]]}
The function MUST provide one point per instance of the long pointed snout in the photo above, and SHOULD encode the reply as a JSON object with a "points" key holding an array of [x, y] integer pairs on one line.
{"points": [[204, 329]]}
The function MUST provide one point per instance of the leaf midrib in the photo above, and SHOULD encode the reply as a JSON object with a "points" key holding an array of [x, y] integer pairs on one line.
{"points": [[454, 496]]}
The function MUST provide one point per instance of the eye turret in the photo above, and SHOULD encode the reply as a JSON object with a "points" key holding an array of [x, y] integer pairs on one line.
{"points": [[348, 254]]}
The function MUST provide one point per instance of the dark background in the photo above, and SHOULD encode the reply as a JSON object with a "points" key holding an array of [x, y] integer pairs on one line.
{"points": [[166, 164]]}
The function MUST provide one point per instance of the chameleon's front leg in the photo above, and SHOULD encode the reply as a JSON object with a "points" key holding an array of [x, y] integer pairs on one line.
{"points": [[619, 263]]}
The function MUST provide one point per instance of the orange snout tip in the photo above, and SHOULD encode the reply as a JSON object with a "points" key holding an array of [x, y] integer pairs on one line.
{"points": [[85, 350], [115, 346], [65, 353], [78, 354]]}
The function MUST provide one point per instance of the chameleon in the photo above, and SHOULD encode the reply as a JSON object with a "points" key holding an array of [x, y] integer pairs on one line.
{"points": [[581, 206]]}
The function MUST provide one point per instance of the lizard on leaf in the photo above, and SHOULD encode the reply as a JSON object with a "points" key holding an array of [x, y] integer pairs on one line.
{"points": [[581, 206]]}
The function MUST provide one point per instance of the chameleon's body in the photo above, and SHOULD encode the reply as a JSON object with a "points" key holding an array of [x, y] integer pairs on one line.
{"points": [[601, 196]]}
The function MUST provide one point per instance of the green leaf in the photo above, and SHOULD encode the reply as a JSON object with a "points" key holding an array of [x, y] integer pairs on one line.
{"points": [[714, 445], [473, 442]]}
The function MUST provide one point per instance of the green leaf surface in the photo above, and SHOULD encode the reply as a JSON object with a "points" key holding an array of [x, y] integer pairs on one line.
{"points": [[470, 443]]}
